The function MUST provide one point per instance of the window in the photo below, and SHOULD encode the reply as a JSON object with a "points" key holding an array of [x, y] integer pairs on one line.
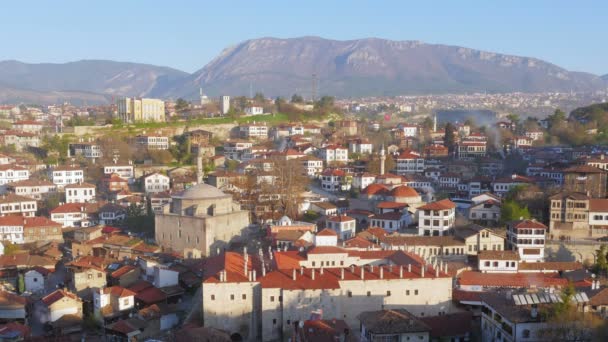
{"points": [[274, 321], [487, 264], [231, 297], [125, 302], [388, 293], [369, 293], [349, 294], [415, 292], [272, 298], [526, 333]]}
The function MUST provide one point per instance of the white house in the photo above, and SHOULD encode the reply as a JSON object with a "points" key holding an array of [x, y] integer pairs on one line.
{"points": [[527, 237], [334, 180], [152, 142], [409, 162], [436, 218], [343, 225], [155, 182], [117, 298], [254, 110], [33, 188], [64, 175], [598, 213], [10, 174], [333, 153], [11, 229], [488, 211], [326, 237], [253, 130], [502, 185], [391, 221], [165, 277], [361, 146], [123, 171], [363, 180], [34, 279], [312, 165], [60, 303], [12, 204], [498, 261], [534, 135], [80, 193], [409, 130]]}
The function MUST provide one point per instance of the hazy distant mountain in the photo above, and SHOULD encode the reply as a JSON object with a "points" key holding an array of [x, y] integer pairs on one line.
{"points": [[374, 67], [605, 77], [285, 66], [21, 80]]}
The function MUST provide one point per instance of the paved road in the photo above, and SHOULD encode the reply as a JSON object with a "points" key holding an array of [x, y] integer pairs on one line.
{"points": [[315, 188]]}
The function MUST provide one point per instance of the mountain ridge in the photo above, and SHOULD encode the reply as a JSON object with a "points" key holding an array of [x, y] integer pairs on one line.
{"points": [[284, 66]]}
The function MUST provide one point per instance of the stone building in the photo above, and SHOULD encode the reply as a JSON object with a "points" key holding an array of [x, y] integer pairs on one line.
{"points": [[586, 179], [202, 218]]}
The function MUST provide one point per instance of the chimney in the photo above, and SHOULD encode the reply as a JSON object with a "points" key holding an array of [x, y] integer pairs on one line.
{"points": [[321, 271], [362, 272], [371, 268], [312, 274], [409, 268], [422, 271], [293, 274], [352, 268], [436, 272], [342, 273], [254, 276], [250, 275], [534, 311], [401, 272], [301, 270], [381, 272]]}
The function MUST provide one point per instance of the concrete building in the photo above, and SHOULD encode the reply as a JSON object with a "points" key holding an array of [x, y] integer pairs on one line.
{"points": [[202, 218], [123, 171], [343, 225], [333, 153], [254, 110], [86, 149], [137, 110], [33, 188]]}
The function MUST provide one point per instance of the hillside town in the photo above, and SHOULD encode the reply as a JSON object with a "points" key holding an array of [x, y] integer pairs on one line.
{"points": [[287, 220]]}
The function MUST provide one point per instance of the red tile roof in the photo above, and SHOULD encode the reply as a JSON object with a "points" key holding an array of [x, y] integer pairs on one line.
{"points": [[375, 189], [340, 218], [122, 271], [58, 295], [511, 280], [327, 232], [524, 224], [151, 295], [404, 191], [439, 205]]}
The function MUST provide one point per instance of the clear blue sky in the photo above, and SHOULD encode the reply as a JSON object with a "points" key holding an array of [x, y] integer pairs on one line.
{"points": [[188, 34]]}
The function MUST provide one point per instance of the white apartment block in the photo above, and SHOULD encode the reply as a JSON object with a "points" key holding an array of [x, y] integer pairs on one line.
{"points": [[156, 182], [436, 218], [64, 175], [80, 193], [409, 130], [152, 142], [312, 166], [471, 149], [236, 149]]}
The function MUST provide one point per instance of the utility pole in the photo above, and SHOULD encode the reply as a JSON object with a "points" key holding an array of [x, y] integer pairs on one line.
{"points": [[314, 88]]}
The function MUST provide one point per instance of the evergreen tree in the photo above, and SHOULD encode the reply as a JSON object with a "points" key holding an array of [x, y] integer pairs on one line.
{"points": [[449, 139]]}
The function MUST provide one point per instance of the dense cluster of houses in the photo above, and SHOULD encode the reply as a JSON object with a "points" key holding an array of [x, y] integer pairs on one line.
{"points": [[393, 240]]}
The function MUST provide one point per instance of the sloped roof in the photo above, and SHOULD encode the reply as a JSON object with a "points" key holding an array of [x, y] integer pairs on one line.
{"points": [[439, 205]]}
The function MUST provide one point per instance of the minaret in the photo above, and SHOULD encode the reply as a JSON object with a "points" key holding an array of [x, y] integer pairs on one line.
{"points": [[199, 166], [382, 160], [435, 123]]}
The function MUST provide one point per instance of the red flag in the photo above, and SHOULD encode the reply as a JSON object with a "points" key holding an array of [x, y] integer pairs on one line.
{"points": [[387, 117]]}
